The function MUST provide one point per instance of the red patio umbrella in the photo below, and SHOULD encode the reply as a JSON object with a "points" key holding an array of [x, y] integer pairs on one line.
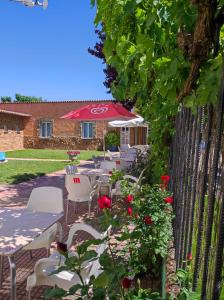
{"points": [[94, 112]]}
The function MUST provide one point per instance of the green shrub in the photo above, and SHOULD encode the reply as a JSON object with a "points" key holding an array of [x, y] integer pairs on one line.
{"points": [[112, 139]]}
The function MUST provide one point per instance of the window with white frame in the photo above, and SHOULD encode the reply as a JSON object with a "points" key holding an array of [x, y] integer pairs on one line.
{"points": [[45, 129], [88, 130]]}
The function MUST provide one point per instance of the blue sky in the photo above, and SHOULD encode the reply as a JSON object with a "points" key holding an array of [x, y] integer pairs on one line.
{"points": [[44, 53]]}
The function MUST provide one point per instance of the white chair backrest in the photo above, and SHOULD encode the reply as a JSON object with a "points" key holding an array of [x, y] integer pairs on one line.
{"points": [[71, 169], [46, 199], [122, 164], [124, 147], [132, 151], [94, 267], [110, 154], [78, 186], [108, 165], [78, 227], [96, 161]]}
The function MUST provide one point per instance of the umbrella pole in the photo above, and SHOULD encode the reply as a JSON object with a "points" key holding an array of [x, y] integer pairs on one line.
{"points": [[104, 145]]}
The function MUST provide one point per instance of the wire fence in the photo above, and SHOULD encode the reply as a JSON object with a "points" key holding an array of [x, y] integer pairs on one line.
{"points": [[197, 172]]}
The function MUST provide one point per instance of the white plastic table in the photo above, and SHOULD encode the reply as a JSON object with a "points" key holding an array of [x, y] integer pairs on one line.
{"points": [[103, 175], [18, 228], [93, 172]]}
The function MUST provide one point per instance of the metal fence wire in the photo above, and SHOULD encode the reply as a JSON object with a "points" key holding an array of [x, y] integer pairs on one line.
{"points": [[197, 172]]}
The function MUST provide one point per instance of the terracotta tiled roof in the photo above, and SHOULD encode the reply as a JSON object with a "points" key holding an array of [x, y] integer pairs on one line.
{"points": [[14, 113], [61, 101]]}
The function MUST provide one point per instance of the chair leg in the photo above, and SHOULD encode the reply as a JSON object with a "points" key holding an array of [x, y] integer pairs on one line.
{"points": [[28, 295], [75, 207], [60, 232], [31, 254], [66, 217], [1, 270], [48, 252], [89, 207]]}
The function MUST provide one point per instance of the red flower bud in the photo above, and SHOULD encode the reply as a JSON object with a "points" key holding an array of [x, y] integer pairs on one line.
{"points": [[130, 211], [148, 220], [165, 179], [62, 248], [104, 202], [126, 283], [169, 200], [190, 257], [129, 198]]}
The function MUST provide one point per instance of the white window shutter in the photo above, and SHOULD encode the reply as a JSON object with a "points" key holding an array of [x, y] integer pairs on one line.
{"points": [[94, 129]]}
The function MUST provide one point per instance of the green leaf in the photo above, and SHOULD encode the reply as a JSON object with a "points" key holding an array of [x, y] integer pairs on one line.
{"points": [[55, 293], [89, 256], [101, 281], [74, 289]]}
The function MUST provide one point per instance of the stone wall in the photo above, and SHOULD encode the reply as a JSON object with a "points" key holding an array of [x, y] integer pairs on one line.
{"points": [[11, 132], [64, 143]]}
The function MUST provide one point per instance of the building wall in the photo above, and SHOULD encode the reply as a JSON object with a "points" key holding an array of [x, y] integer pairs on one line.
{"points": [[11, 132], [66, 133]]}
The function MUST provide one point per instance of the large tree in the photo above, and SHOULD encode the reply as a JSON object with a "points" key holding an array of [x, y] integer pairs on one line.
{"points": [[109, 71], [22, 98], [165, 53], [6, 99]]}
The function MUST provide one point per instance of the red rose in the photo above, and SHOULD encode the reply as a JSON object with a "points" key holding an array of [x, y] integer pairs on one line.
{"points": [[104, 202], [129, 198], [130, 211], [126, 283], [148, 220], [169, 200], [189, 256], [165, 179]]}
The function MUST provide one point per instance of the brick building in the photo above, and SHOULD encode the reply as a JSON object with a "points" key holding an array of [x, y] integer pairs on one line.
{"points": [[38, 125]]}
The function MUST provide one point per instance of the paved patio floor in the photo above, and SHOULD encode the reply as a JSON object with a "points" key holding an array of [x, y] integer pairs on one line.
{"points": [[17, 196]]}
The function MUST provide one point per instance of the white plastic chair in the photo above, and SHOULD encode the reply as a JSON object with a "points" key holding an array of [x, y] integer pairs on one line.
{"points": [[112, 155], [108, 165], [96, 162], [124, 147], [46, 199], [122, 164], [71, 169], [132, 181], [66, 279], [79, 190]]}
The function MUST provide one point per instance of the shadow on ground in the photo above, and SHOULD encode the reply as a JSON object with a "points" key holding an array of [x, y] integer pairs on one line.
{"points": [[25, 177]]}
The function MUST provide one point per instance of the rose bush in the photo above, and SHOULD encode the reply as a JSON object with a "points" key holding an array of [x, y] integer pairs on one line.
{"points": [[144, 225]]}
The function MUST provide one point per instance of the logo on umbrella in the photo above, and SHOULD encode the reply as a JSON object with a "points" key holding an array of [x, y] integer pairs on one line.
{"points": [[99, 110]]}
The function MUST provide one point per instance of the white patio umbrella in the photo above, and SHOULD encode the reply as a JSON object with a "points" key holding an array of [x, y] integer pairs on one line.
{"points": [[139, 121]]}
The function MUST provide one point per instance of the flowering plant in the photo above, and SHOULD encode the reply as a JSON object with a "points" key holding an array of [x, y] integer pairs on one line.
{"points": [[150, 213], [144, 224]]}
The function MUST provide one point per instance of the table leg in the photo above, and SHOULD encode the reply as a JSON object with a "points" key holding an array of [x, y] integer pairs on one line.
{"points": [[1, 270], [60, 232], [12, 266]]}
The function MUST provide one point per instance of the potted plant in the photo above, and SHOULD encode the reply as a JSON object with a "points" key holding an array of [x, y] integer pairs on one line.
{"points": [[112, 140]]}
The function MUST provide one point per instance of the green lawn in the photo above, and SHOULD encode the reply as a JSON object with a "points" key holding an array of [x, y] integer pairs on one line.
{"points": [[15, 171], [50, 154]]}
